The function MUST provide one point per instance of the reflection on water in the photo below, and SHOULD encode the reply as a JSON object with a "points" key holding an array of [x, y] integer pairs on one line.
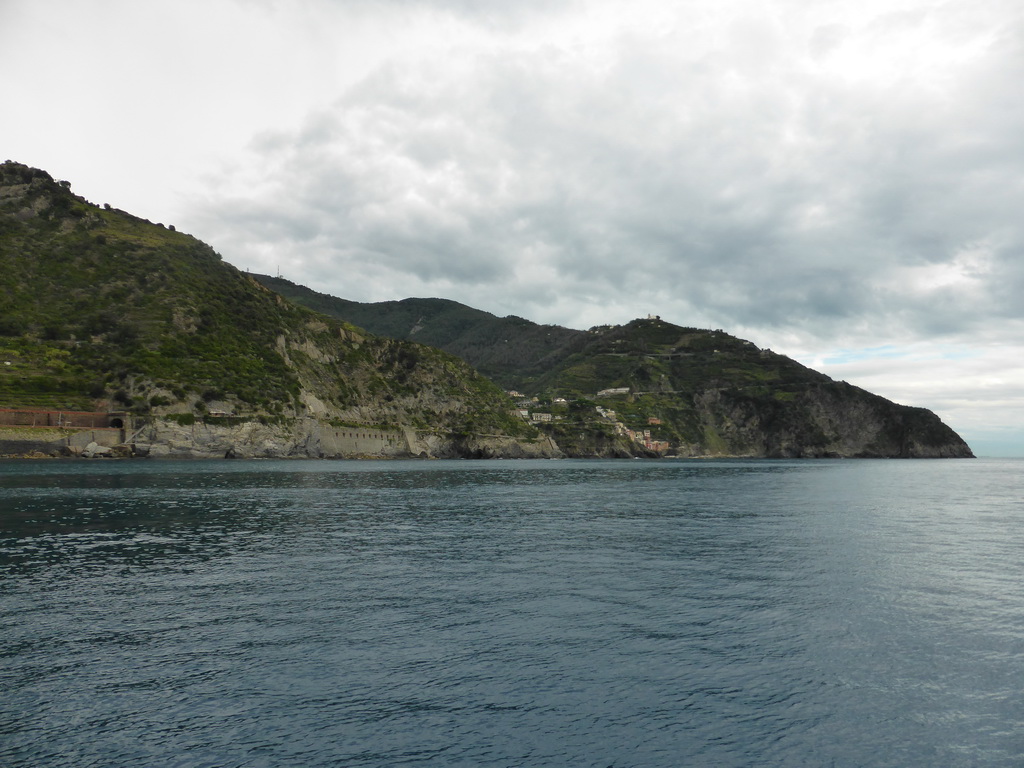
{"points": [[275, 613]]}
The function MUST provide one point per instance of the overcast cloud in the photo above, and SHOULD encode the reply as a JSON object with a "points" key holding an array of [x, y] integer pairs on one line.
{"points": [[838, 181]]}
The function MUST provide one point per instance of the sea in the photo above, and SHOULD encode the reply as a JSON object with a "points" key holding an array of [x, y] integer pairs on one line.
{"points": [[627, 613]]}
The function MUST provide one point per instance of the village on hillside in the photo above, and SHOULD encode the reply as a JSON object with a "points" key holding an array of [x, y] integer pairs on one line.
{"points": [[531, 409]]}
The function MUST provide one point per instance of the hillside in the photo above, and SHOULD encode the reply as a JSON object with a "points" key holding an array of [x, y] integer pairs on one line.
{"points": [[709, 392], [100, 310], [509, 350], [686, 391]]}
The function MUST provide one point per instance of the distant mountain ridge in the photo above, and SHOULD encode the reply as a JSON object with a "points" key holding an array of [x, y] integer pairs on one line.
{"points": [[509, 350], [699, 391]]}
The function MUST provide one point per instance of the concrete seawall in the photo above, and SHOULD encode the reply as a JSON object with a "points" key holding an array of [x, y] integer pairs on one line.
{"points": [[56, 441]]}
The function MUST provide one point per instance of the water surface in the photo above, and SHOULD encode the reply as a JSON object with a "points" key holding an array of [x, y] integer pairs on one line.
{"points": [[526, 613]]}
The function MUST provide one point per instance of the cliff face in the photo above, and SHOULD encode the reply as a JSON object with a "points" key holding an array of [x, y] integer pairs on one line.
{"points": [[821, 422]]}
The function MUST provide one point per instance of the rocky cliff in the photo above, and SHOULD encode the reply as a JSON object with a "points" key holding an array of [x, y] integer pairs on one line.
{"points": [[692, 392], [827, 420]]}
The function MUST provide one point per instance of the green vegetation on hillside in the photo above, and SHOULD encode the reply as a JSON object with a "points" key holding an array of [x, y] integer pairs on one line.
{"points": [[100, 309], [97, 303]]}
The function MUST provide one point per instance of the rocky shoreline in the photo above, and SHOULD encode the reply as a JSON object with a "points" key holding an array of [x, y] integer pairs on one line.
{"points": [[302, 438]]}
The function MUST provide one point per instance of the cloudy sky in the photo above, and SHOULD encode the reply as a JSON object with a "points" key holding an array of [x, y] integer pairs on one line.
{"points": [[839, 180]]}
